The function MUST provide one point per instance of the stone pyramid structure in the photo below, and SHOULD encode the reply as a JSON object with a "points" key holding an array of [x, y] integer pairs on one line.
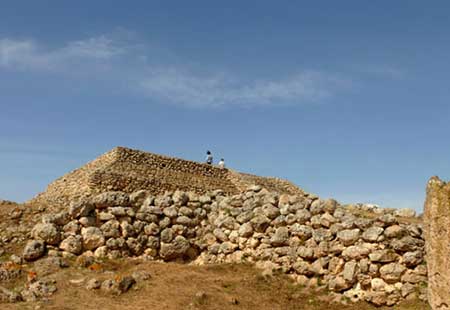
{"points": [[128, 170]]}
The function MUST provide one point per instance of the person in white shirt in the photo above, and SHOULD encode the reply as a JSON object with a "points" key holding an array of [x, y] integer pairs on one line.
{"points": [[221, 163], [209, 158]]}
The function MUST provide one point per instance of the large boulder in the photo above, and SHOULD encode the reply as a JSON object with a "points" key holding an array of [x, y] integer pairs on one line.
{"points": [[33, 250], [46, 232], [72, 244], [372, 234], [111, 199], [392, 272], [92, 238], [349, 236], [280, 237], [406, 212], [81, 208], [176, 249]]}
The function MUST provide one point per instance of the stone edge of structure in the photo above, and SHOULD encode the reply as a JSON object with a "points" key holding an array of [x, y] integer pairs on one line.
{"points": [[437, 234], [79, 180]]}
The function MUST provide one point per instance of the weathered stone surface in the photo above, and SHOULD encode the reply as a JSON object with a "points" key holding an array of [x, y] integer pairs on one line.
{"points": [[412, 259], [437, 234], [378, 284], [405, 212], [350, 270], [260, 223], [47, 233], [349, 237], [383, 256], [33, 250], [246, 230], [93, 284], [372, 234], [92, 238], [280, 237], [111, 199], [395, 231], [81, 208], [392, 272], [407, 244], [111, 229], [72, 245], [8, 296], [176, 249], [356, 252], [338, 284], [304, 232]]}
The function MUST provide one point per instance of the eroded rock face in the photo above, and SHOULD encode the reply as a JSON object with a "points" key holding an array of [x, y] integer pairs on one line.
{"points": [[437, 234]]}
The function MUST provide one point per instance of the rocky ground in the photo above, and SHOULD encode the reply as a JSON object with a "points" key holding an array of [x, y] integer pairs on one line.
{"points": [[133, 284]]}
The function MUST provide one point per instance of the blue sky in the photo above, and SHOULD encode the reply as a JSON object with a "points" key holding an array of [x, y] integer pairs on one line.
{"points": [[347, 99]]}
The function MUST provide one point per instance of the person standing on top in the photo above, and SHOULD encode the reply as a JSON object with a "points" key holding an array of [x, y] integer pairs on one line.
{"points": [[221, 163], [209, 158]]}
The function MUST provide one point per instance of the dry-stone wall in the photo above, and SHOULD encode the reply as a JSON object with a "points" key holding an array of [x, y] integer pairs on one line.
{"points": [[316, 241], [437, 232], [128, 170]]}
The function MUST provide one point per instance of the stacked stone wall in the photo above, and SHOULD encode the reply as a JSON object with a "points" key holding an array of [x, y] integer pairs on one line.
{"points": [[377, 258], [128, 170]]}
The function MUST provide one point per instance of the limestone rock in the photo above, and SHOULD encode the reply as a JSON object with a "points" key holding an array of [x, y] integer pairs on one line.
{"points": [[72, 244], [246, 230], [378, 284], [349, 237], [33, 250], [405, 212], [395, 231], [383, 256], [92, 238], [260, 223], [81, 208], [392, 272], [47, 233], [280, 237], [350, 271], [111, 199], [176, 249], [372, 234], [93, 284]]}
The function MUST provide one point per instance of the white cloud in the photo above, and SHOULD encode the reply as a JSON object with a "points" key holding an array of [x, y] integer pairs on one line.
{"points": [[217, 90], [27, 54], [162, 80]]}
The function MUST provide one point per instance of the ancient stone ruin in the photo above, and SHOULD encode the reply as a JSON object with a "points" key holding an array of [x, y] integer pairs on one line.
{"points": [[127, 170], [437, 233], [130, 203]]}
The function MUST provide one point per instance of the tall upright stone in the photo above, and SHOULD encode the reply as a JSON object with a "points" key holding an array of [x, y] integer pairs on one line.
{"points": [[437, 237]]}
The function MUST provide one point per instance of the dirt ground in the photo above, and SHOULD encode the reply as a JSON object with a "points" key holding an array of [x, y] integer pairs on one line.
{"points": [[171, 286], [180, 286]]}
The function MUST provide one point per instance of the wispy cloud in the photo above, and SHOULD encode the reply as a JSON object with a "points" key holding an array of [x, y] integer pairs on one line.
{"points": [[218, 90], [164, 81], [383, 70], [29, 55]]}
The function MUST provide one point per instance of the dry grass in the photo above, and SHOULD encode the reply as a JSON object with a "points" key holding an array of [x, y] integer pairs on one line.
{"points": [[175, 286]]}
